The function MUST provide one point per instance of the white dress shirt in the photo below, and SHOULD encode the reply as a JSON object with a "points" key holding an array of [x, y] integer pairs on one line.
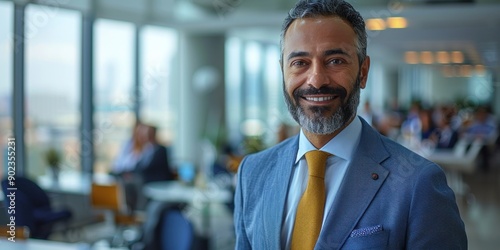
{"points": [[342, 148]]}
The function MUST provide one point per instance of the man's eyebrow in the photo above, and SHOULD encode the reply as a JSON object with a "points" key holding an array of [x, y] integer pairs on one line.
{"points": [[296, 54], [327, 53], [336, 52]]}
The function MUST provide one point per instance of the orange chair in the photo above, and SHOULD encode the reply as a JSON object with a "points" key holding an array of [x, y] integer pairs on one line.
{"points": [[110, 197], [19, 232]]}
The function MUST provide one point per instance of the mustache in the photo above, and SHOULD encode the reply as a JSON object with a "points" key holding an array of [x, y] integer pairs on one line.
{"points": [[341, 92]]}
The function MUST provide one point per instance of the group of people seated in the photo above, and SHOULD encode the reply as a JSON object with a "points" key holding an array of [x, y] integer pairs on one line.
{"points": [[442, 127]]}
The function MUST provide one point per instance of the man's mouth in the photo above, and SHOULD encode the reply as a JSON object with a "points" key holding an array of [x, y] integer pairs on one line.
{"points": [[319, 98]]}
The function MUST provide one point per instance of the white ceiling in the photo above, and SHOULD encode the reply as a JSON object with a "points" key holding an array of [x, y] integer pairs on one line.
{"points": [[473, 28]]}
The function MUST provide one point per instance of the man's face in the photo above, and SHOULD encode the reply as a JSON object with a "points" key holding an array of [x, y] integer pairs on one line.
{"points": [[321, 73]]}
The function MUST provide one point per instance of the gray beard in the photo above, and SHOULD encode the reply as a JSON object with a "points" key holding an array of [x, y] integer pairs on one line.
{"points": [[319, 124]]}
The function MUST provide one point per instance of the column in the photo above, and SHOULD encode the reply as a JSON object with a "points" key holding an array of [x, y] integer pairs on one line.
{"points": [[199, 95], [18, 95]]}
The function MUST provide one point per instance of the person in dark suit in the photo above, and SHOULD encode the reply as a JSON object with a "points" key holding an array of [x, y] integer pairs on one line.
{"points": [[154, 164], [444, 136], [378, 194]]}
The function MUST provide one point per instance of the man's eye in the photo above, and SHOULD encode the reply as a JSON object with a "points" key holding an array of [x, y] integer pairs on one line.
{"points": [[336, 61], [298, 63]]}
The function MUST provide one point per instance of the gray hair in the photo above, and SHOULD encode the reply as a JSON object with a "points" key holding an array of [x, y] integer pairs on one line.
{"points": [[325, 8]]}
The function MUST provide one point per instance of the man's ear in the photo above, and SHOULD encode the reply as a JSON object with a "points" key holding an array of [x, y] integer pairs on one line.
{"points": [[363, 73]]}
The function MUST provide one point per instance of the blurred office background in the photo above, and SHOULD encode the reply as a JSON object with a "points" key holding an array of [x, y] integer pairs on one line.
{"points": [[77, 75]]}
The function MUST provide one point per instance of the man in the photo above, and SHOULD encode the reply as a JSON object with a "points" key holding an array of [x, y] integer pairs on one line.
{"points": [[378, 195]]}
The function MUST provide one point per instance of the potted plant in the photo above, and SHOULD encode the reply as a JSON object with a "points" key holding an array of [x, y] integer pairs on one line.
{"points": [[53, 159]]}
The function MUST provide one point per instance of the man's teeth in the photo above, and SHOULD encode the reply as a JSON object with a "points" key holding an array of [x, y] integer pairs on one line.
{"points": [[319, 99]]}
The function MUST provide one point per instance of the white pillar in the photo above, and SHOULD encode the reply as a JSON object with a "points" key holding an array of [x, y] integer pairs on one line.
{"points": [[199, 94]]}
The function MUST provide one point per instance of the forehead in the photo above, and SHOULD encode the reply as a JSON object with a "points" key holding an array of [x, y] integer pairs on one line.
{"points": [[319, 33]]}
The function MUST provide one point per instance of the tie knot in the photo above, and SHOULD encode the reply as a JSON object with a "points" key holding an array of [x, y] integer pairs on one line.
{"points": [[316, 162]]}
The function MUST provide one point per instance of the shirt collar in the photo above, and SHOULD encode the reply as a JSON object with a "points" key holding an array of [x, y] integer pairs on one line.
{"points": [[342, 145]]}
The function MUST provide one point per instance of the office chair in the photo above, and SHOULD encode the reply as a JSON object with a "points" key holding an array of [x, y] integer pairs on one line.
{"points": [[462, 159], [165, 227], [175, 230], [109, 197], [33, 208], [20, 232]]}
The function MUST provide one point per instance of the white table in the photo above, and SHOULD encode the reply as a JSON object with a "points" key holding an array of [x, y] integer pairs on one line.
{"points": [[177, 192], [69, 182], [35, 244]]}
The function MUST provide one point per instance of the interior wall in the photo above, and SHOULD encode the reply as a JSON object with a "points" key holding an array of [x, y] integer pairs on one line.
{"points": [[448, 89], [429, 85], [377, 89]]}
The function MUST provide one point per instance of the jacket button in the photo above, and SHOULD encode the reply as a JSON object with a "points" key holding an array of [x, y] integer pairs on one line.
{"points": [[374, 176]]}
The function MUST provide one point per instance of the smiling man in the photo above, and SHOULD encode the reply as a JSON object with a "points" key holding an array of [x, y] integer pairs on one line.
{"points": [[339, 184]]}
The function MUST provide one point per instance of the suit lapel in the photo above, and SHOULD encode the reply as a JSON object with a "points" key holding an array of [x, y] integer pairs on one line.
{"points": [[276, 193], [362, 181]]}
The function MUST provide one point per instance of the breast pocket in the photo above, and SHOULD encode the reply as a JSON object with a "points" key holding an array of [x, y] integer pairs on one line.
{"points": [[377, 240]]}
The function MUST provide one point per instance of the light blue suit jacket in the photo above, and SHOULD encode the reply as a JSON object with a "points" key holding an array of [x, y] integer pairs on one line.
{"points": [[409, 205]]}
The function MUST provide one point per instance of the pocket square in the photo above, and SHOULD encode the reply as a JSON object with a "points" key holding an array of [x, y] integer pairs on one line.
{"points": [[366, 231]]}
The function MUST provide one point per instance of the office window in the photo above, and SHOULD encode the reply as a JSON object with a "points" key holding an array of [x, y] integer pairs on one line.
{"points": [[158, 67], [6, 18], [253, 87], [52, 78], [114, 118], [254, 90], [233, 84], [273, 84]]}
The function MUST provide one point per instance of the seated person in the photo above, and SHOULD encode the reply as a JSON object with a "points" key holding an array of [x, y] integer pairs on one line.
{"points": [[130, 154], [484, 127], [154, 164], [142, 160], [428, 126], [444, 136]]}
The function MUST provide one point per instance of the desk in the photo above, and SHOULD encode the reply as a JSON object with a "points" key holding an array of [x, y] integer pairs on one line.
{"points": [[69, 182], [35, 244], [174, 192], [177, 192]]}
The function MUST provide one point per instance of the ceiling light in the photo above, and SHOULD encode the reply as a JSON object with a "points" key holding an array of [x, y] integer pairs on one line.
{"points": [[457, 57], [426, 57], [396, 22], [479, 69], [466, 70], [447, 71], [375, 24], [443, 57], [411, 57]]}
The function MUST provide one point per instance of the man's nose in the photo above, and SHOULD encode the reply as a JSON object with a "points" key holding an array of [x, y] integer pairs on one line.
{"points": [[318, 76]]}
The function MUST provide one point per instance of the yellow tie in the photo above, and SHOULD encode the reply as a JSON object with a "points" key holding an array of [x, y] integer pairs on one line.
{"points": [[312, 204]]}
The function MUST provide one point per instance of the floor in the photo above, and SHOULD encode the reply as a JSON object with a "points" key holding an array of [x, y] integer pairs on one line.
{"points": [[100, 235], [479, 208]]}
